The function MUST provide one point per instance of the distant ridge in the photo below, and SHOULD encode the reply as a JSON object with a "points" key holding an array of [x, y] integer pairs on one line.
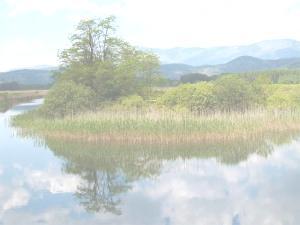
{"points": [[270, 49], [239, 65], [28, 77], [172, 71]]}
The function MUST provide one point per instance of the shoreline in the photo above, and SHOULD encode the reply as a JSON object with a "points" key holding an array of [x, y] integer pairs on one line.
{"points": [[12, 98], [160, 129]]}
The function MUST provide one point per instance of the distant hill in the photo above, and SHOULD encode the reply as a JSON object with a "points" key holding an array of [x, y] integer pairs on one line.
{"points": [[175, 71], [239, 65], [272, 50], [250, 64], [44, 77], [28, 77]]}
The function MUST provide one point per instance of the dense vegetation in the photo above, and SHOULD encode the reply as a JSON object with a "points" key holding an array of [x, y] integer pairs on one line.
{"points": [[108, 90], [233, 93], [279, 76], [99, 67]]}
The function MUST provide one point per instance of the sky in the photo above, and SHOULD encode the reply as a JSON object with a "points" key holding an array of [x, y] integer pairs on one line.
{"points": [[32, 31]]}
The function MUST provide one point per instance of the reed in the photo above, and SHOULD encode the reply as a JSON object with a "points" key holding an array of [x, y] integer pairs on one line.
{"points": [[161, 126], [11, 98]]}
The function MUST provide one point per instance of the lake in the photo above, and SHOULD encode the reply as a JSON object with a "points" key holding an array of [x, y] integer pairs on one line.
{"points": [[48, 181]]}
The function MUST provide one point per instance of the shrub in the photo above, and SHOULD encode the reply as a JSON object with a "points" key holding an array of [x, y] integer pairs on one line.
{"points": [[284, 97], [67, 98], [133, 101], [233, 93], [196, 97], [228, 93]]}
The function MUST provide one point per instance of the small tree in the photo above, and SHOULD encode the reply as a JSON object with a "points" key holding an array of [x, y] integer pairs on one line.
{"points": [[67, 98], [234, 93]]}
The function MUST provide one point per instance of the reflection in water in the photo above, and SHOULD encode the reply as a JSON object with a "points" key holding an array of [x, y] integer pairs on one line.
{"points": [[50, 181], [108, 170]]}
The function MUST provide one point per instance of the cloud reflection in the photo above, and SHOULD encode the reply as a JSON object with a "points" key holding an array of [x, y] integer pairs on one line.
{"points": [[260, 190]]}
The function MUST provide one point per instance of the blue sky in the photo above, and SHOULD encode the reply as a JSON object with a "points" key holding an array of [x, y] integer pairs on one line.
{"points": [[32, 31]]}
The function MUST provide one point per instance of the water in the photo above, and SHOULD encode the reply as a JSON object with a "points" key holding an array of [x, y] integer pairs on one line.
{"points": [[45, 181]]}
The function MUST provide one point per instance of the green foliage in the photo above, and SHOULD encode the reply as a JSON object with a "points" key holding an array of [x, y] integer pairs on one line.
{"points": [[284, 97], [279, 76], [196, 97], [228, 93], [132, 102], [235, 93], [67, 98], [104, 65]]}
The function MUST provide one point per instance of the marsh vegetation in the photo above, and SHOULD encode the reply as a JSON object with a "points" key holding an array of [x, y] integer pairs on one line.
{"points": [[108, 90], [11, 98]]}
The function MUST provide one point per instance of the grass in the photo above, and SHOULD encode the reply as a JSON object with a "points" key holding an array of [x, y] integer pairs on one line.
{"points": [[161, 126], [11, 98]]}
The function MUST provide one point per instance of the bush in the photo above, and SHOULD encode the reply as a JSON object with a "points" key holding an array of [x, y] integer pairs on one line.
{"points": [[133, 101], [196, 97], [233, 93], [67, 98], [228, 93], [284, 97]]}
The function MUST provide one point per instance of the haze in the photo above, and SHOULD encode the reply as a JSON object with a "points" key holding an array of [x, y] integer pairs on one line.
{"points": [[33, 30]]}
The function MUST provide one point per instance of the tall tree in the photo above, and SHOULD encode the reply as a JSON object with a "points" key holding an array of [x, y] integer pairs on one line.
{"points": [[105, 64], [93, 40]]}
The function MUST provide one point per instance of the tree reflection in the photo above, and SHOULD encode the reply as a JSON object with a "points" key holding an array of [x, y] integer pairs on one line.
{"points": [[105, 174], [108, 170], [100, 191]]}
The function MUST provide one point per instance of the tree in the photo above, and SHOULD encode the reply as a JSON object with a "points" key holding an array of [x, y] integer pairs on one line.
{"points": [[93, 41], [235, 93], [105, 65], [67, 98]]}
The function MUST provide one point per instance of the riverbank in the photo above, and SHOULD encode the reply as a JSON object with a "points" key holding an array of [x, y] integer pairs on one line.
{"points": [[161, 126], [11, 98]]}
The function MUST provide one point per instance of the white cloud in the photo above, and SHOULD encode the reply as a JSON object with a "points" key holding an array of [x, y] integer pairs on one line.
{"points": [[176, 22], [157, 23], [49, 7], [259, 190], [207, 23], [18, 198], [18, 53], [52, 181]]}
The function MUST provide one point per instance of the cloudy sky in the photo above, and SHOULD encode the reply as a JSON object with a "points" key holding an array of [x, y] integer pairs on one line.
{"points": [[32, 31]]}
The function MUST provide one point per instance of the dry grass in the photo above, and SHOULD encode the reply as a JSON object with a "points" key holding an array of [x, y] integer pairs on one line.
{"points": [[161, 126], [25, 93], [11, 98]]}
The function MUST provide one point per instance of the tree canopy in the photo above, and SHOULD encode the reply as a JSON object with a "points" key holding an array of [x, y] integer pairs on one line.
{"points": [[105, 65]]}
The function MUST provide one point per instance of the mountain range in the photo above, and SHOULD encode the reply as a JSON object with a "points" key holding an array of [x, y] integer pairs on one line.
{"points": [[239, 65], [38, 77], [265, 55], [28, 77], [270, 49]]}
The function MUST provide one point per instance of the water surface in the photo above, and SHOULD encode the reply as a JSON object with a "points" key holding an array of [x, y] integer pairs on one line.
{"points": [[47, 181]]}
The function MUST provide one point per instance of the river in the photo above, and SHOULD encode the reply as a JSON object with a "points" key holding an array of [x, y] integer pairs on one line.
{"points": [[46, 181]]}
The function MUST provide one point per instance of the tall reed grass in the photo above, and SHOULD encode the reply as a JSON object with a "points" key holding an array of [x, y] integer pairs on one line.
{"points": [[161, 126]]}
